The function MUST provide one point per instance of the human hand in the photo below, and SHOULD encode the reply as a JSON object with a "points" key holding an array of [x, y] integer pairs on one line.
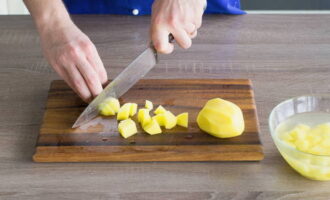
{"points": [[74, 57], [181, 18]]}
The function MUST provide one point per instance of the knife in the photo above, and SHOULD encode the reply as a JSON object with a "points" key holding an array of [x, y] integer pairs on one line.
{"points": [[122, 83]]}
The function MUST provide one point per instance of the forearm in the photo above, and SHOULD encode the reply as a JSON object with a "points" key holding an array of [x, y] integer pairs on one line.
{"points": [[48, 14]]}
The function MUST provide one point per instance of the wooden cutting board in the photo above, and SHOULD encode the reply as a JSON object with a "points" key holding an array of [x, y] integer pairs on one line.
{"points": [[100, 141]]}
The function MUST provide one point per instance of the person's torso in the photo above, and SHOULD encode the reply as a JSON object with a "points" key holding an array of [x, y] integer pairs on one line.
{"points": [[141, 7]]}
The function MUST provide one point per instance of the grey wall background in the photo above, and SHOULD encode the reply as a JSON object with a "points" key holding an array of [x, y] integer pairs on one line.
{"points": [[285, 4]]}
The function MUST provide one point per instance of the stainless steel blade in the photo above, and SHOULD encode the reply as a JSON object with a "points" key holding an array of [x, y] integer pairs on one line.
{"points": [[121, 84]]}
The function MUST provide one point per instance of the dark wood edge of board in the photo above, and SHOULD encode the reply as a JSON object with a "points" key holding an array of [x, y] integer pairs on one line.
{"points": [[194, 153]]}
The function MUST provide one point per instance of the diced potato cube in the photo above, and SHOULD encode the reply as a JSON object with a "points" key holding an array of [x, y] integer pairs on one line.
{"points": [[167, 119], [298, 135], [170, 120], [141, 113], [327, 152], [149, 105], [124, 111], [322, 130], [314, 139], [160, 118], [127, 128], [302, 145], [133, 109], [160, 109], [144, 116], [326, 143], [317, 150], [106, 109], [113, 102], [286, 136], [182, 120], [303, 127], [152, 127]]}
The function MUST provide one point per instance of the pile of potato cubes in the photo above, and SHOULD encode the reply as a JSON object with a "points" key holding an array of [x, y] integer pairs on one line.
{"points": [[150, 124]]}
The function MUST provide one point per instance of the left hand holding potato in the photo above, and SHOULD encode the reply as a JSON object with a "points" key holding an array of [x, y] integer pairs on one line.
{"points": [[181, 18]]}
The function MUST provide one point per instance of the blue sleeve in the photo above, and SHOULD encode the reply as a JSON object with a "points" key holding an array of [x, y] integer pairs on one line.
{"points": [[224, 7], [141, 7]]}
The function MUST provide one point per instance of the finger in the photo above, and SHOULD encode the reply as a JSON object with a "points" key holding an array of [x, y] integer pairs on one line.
{"points": [[78, 82], [193, 35], [90, 76], [199, 16], [62, 73], [182, 38], [190, 28], [95, 60], [198, 22], [67, 79], [159, 37]]}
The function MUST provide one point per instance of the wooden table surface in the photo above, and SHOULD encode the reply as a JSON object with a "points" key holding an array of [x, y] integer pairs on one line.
{"points": [[284, 55]]}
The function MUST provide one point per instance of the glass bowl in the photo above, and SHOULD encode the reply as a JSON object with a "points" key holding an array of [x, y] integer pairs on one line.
{"points": [[316, 167]]}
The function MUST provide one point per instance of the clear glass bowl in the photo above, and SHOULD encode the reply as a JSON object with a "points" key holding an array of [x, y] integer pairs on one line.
{"points": [[316, 167]]}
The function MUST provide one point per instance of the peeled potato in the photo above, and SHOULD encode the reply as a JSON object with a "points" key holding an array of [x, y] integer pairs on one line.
{"points": [[124, 111], [160, 109], [149, 105], [182, 120], [127, 128], [152, 127], [221, 118]]}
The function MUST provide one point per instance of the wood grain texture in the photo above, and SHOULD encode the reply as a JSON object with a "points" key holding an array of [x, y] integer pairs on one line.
{"points": [[283, 55], [58, 142]]}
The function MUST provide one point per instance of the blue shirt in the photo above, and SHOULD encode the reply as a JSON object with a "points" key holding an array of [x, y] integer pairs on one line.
{"points": [[142, 7]]}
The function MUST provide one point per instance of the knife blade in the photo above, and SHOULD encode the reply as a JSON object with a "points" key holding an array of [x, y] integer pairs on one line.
{"points": [[121, 84]]}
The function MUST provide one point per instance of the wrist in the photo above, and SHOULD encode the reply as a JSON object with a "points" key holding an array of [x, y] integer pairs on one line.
{"points": [[49, 23], [48, 15]]}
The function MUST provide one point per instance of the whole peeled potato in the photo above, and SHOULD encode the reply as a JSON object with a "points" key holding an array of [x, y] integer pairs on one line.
{"points": [[221, 118]]}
